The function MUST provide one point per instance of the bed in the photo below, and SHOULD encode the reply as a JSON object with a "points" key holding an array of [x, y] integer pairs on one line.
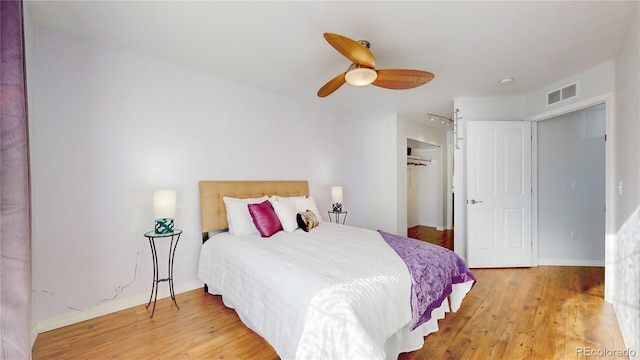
{"points": [[332, 292]]}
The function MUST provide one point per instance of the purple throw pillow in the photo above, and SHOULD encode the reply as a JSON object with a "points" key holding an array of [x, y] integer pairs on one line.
{"points": [[265, 218]]}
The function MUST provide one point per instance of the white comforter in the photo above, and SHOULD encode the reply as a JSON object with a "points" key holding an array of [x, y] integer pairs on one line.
{"points": [[336, 292]]}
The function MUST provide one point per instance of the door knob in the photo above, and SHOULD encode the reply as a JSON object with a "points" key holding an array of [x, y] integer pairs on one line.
{"points": [[473, 201]]}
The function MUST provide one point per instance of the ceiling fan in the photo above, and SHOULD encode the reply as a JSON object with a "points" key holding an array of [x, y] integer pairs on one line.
{"points": [[363, 69]]}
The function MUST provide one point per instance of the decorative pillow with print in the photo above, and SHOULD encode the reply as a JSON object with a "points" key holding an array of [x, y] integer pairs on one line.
{"points": [[307, 220]]}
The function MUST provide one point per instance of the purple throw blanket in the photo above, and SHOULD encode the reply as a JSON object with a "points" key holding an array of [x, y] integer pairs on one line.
{"points": [[433, 270]]}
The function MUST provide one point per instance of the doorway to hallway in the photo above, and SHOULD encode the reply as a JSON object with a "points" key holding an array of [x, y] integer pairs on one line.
{"points": [[432, 235]]}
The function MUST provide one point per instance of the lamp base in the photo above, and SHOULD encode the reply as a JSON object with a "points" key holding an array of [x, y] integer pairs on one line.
{"points": [[164, 226], [337, 207]]}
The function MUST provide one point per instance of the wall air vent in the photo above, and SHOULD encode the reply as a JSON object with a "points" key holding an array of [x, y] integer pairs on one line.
{"points": [[563, 94]]}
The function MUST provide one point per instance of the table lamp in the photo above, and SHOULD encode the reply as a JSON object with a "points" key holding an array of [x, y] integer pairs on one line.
{"points": [[336, 198], [164, 210]]}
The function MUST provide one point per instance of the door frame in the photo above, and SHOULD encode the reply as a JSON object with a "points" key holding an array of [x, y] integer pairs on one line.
{"points": [[606, 99]]}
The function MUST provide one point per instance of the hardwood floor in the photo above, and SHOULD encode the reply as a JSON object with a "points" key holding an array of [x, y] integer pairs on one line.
{"points": [[431, 235], [533, 313]]}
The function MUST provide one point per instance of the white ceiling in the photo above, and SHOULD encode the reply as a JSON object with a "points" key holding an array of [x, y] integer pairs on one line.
{"points": [[279, 47]]}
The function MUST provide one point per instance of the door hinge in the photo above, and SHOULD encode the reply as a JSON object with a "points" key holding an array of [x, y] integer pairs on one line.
{"points": [[605, 137]]}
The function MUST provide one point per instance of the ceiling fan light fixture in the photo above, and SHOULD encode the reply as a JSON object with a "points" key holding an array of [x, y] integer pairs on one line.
{"points": [[360, 76], [506, 81], [362, 70]]}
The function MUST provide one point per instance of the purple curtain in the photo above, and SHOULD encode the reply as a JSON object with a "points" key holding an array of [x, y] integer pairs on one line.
{"points": [[15, 229]]}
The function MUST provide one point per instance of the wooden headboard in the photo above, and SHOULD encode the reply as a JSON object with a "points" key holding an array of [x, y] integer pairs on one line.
{"points": [[213, 215]]}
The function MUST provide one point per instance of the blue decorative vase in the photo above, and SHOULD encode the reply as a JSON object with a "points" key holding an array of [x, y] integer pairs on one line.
{"points": [[164, 226]]}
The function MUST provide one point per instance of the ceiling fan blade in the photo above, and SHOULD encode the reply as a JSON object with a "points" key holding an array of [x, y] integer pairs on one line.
{"points": [[351, 49], [402, 78], [332, 85]]}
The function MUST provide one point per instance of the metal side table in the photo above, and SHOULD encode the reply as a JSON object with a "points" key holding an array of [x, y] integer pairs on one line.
{"points": [[337, 216], [152, 236]]}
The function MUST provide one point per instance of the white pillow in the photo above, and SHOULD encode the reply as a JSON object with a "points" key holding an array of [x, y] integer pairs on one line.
{"points": [[286, 215], [238, 216], [301, 204]]}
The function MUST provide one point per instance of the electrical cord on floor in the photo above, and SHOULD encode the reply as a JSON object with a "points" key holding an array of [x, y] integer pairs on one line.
{"points": [[117, 291]]}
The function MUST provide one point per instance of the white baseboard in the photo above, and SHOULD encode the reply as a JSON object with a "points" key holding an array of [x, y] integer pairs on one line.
{"points": [[570, 262], [106, 308]]}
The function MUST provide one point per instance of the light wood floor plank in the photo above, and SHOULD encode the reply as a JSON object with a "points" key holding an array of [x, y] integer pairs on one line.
{"points": [[532, 313]]}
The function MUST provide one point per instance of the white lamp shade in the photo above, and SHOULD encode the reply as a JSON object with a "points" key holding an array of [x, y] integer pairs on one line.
{"points": [[164, 204], [360, 76], [336, 194]]}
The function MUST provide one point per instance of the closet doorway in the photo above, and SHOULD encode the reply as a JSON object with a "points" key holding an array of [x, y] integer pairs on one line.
{"points": [[426, 193]]}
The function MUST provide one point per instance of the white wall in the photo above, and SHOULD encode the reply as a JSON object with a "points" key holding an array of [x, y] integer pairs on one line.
{"points": [[413, 196], [379, 156], [431, 197], [591, 83], [623, 249], [108, 127]]}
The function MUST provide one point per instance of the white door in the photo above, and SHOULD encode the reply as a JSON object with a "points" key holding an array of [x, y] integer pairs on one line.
{"points": [[499, 193]]}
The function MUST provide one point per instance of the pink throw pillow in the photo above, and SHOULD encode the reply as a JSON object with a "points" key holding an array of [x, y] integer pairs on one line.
{"points": [[265, 218]]}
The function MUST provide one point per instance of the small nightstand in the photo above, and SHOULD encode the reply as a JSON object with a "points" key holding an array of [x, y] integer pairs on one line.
{"points": [[337, 216], [152, 236]]}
